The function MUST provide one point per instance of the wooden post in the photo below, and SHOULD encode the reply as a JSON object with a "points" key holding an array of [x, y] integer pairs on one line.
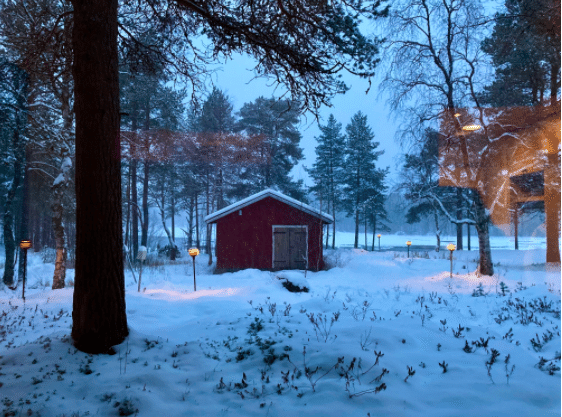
{"points": [[194, 283], [24, 271]]}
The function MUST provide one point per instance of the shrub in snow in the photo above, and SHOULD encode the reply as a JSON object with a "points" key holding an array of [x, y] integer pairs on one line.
{"points": [[126, 407], [478, 291], [503, 288], [549, 365], [321, 327], [294, 281], [490, 363]]}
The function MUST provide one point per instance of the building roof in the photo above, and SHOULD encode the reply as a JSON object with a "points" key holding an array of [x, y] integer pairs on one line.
{"points": [[213, 217]]}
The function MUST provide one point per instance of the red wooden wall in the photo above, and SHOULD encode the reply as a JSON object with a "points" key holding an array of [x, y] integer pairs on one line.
{"points": [[246, 241]]}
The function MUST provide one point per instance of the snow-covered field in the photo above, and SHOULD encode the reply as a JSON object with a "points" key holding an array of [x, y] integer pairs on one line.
{"points": [[347, 239], [377, 335]]}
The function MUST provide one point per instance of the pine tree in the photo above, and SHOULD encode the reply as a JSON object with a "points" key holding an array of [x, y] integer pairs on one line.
{"points": [[216, 114], [362, 181], [150, 111], [327, 170], [525, 54], [13, 118], [213, 124], [375, 206], [275, 123]]}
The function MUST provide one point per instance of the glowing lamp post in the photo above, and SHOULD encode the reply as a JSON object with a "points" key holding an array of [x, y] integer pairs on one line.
{"points": [[379, 236], [24, 245], [408, 244], [193, 252], [451, 248]]}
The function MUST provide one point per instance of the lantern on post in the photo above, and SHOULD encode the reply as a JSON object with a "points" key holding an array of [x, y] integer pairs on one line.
{"points": [[24, 246], [141, 256], [379, 236], [451, 248], [193, 252], [408, 244]]}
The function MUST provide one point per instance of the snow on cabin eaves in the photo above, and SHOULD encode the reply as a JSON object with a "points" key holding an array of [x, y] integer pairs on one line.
{"points": [[211, 218]]}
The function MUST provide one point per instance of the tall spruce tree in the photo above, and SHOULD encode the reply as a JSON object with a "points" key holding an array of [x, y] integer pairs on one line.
{"points": [[276, 122], [327, 170], [362, 181], [213, 123], [376, 215], [13, 121]]}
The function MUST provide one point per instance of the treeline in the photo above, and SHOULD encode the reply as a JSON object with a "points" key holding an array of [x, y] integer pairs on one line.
{"points": [[198, 160], [346, 177]]}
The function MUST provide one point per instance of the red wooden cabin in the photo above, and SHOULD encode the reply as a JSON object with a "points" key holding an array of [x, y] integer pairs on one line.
{"points": [[269, 230]]}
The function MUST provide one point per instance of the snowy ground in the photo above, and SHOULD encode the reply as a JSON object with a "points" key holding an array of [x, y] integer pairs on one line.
{"points": [[377, 334]]}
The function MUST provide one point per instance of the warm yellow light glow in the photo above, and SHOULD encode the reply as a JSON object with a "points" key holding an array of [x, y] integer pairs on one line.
{"points": [[194, 251], [25, 244], [172, 295], [379, 235], [471, 128], [408, 243], [451, 247], [457, 114]]}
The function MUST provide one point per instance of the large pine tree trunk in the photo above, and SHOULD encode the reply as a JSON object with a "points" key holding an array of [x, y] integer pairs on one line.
{"points": [[554, 85], [327, 226], [437, 231], [209, 228], [135, 208], [482, 227], [356, 242], [334, 227], [58, 189], [17, 145], [459, 217], [171, 239], [145, 185], [57, 208], [99, 315], [191, 211], [374, 232], [552, 201], [9, 214], [128, 214], [365, 227], [8, 229]]}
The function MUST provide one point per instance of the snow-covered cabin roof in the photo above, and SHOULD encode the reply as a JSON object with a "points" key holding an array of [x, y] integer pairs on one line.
{"points": [[211, 218]]}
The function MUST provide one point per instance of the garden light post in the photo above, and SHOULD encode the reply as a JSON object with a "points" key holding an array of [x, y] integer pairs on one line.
{"points": [[451, 248], [408, 243], [24, 245], [193, 252], [379, 236]]}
